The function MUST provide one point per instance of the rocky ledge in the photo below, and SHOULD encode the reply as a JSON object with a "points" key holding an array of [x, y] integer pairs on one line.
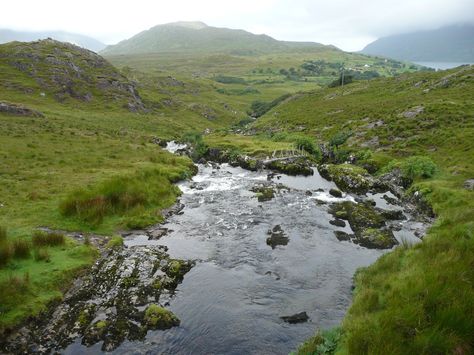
{"points": [[19, 110], [122, 297]]}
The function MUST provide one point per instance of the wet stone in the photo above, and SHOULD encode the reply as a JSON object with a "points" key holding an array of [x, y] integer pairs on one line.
{"points": [[338, 222], [335, 193], [277, 237], [296, 318]]}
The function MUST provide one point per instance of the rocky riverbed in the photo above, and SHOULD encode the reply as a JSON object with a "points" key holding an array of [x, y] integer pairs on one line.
{"points": [[248, 262]]}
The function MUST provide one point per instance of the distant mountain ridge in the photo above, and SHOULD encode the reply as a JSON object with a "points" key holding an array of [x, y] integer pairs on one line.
{"points": [[90, 43], [447, 44], [197, 36]]}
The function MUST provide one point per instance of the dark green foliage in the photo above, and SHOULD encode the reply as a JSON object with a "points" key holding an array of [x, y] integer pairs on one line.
{"points": [[419, 167], [308, 145], [44, 239]]}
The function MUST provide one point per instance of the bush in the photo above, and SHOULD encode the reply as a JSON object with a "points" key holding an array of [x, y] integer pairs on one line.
{"points": [[43, 239], [416, 167], [308, 145], [21, 249]]}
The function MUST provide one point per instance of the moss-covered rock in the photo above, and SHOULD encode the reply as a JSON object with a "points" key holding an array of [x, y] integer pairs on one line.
{"points": [[292, 166], [264, 193], [347, 177], [368, 224], [157, 317]]}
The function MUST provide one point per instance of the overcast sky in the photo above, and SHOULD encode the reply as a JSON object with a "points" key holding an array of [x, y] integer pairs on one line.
{"points": [[348, 24]]}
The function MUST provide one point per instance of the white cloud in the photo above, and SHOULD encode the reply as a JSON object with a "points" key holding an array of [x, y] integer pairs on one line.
{"points": [[348, 24]]}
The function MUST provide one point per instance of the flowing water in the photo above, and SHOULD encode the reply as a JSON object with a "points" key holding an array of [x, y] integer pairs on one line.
{"points": [[232, 300]]}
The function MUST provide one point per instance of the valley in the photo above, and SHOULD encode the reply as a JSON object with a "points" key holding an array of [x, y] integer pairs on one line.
{"points": [[309, 180]]}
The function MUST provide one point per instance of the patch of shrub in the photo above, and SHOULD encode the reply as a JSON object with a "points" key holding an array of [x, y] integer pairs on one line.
{"points": [[43, 239], [412, 168]]}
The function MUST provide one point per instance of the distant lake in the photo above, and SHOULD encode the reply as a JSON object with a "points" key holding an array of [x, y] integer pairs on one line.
{"points": [[441, 65]]}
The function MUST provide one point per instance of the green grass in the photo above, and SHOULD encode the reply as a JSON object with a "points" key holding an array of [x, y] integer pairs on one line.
{"points": [[416, 299]]}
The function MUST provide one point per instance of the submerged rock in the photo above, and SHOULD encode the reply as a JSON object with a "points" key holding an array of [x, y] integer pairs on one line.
{"points": [[338, 222], [277, 237], [296, 318], [335, 193]]}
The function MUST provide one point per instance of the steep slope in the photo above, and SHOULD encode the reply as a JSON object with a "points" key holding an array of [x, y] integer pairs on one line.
{"points": [[198, 37], [448, 44], [65, 72], [417, 299], [90, 43]]}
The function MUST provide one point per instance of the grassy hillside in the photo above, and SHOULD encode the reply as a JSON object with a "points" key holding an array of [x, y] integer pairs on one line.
{"points": [[198, 37], [417, 299], [76, 153]]}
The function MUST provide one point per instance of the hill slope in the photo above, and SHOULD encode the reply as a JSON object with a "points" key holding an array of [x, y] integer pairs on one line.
{"points": [[73, 38], [448, 44], [198, 37]]}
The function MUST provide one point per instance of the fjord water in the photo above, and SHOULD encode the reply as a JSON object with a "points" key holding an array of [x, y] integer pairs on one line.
{"points": [[232, 300]]}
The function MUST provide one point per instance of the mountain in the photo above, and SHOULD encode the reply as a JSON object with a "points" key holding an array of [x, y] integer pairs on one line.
{"points": [[74, 38], [447, 44], [197, 36]]}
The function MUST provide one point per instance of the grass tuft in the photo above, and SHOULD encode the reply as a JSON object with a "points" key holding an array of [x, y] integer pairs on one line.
{"points": [[21, 249], [43, 239]]}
